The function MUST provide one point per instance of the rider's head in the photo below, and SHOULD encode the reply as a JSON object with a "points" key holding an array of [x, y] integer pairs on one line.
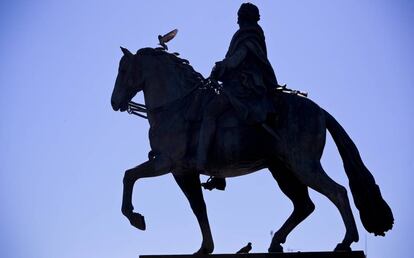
{"points": [[248, 14]]}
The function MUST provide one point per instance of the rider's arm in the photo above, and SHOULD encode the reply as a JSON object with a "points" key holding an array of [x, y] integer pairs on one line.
{"points": [[234, 60], [229, 63]]}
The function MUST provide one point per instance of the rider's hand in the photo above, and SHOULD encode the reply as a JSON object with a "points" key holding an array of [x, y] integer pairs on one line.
{"points": [[218, 71]]}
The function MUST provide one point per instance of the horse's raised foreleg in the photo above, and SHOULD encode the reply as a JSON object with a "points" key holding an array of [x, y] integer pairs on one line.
{"points": [[190, 185], [302, 205], [313, 175], [151, 168]]}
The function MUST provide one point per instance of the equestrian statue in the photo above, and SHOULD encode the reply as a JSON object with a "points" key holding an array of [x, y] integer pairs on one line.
{"points": [[246, 123]]}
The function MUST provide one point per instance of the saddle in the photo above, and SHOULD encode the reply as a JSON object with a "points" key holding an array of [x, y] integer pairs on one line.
{"points": [[202, 96]]}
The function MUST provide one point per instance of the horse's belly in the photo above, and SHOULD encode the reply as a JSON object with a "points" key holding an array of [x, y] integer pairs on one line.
{"points": [[235, 170]]}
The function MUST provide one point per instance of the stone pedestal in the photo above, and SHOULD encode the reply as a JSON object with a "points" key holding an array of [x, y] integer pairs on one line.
{"points": [[353, 254]]}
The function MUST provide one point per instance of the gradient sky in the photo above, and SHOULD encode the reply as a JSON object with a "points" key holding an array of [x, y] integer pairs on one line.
{"points": [[63, 150]]}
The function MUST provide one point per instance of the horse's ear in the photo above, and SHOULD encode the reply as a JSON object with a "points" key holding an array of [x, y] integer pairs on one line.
{"points": [[126, 51]]}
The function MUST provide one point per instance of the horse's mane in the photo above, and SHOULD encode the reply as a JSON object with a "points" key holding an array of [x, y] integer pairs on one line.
{"points": [[183, 66]]}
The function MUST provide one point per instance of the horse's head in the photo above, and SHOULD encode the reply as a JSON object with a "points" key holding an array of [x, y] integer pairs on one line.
{"points": [[163, 77], [128, 82]]}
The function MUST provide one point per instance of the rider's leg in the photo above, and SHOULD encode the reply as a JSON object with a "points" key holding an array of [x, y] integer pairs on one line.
{"points": [[212, 111], [272, 132]]}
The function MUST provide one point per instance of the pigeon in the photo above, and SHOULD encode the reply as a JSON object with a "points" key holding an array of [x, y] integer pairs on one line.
{"points": [[245, 249], [167, 37]]}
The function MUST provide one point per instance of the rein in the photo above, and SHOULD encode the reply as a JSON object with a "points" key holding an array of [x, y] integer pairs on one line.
{"points": [[138, 108]]}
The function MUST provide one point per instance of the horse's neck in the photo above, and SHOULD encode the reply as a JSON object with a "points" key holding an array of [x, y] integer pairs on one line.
{"points": [[166, 90], [162, 90], [163, 99], [167, 127]]}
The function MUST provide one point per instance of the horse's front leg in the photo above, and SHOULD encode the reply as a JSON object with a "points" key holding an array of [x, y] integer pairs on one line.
{"points": [[190, 185], [151, 168]]}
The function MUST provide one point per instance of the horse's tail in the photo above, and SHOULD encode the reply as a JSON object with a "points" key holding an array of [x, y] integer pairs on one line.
{"points": [[376, 215]]}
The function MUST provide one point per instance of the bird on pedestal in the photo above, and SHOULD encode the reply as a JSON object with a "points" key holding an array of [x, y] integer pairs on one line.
{"points": [[245, 249]]}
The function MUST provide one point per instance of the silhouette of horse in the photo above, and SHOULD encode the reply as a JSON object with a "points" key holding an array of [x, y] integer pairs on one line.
{"points": [[171, 87]]}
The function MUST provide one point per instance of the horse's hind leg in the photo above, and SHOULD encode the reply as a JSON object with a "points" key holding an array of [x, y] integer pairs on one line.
{"points": [[313, 175], [191, 186], [302, 205]]}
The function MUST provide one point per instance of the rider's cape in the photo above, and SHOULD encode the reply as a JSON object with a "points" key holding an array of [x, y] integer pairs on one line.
{"points": [[248, 85]]}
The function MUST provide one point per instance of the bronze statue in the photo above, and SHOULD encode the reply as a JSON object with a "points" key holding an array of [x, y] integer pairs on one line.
{"points": [[173, 90]]}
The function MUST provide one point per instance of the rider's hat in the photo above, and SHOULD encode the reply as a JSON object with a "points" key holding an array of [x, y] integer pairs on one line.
{"points": [[248, 12]]}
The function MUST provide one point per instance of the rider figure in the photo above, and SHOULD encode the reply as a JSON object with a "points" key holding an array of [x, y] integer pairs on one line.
{"points": [[247, 77]]}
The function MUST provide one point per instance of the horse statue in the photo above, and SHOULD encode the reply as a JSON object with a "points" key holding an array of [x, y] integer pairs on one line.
{"points": [[292, 154]]}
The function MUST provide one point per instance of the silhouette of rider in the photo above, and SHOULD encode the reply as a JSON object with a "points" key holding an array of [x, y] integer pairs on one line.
{"points": [[247, 77]]}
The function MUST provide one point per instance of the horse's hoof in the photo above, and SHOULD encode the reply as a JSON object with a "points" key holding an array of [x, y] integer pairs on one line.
{"points": [[137, 220], [342, 248], [275, 249], [204, 251], [127, 210]]}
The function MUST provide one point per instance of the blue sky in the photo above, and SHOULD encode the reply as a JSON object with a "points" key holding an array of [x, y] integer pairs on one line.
{"points": [[63, 150]]}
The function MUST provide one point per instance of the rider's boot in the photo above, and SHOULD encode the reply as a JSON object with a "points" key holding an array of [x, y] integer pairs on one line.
{"points": [[218, 183]]}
